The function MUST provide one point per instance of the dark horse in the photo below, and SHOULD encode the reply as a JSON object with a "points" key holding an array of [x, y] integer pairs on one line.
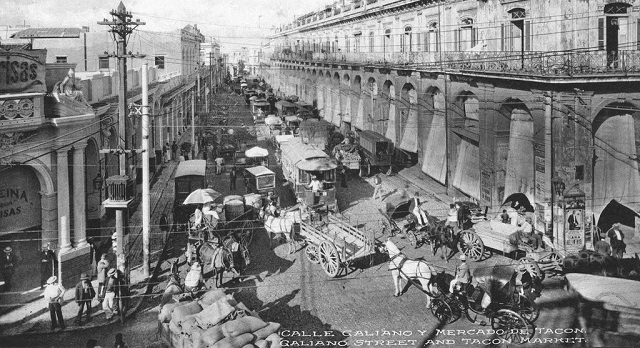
{"points": [[218, 256]]}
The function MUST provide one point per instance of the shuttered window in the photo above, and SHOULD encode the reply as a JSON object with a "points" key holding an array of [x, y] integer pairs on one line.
{"points": [[527, 35], [601, 33]]}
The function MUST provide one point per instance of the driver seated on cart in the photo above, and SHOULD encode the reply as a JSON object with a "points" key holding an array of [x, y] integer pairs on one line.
{"points": [[419, 213], [528, 235], [462, 276]]}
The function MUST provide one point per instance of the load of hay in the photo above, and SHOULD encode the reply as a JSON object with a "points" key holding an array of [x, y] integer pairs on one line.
{"points": [[215, 320]]}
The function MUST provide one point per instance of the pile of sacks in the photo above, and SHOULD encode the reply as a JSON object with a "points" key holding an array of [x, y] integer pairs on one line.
{"points": [[216, 320]]}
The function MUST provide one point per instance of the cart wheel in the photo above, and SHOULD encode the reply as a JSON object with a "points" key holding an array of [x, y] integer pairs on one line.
{"points": [[413, 239], [556, 260], [441, 310], [329, 259], [311, 251], [532, 267], [511, 327], [471, 245], [248, 229], [526, 308]]}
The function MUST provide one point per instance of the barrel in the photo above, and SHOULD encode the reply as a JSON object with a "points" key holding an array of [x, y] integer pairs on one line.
{"points": [[231, 198], [252, 200], [233, 209]]}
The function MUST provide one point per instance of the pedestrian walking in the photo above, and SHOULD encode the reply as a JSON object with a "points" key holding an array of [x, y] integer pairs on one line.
{"points": [[232, 178], [103, 268], [8, 264], [111, 289], [377, 183], [616, 240], [119, 343], [174, 150], [343, 176], [166, 152], [47, 257], [84, 294], [53, 295], [219, 161]]}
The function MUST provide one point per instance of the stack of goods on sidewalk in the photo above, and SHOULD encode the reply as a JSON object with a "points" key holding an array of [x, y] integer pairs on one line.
{"points": [[215, 320]]}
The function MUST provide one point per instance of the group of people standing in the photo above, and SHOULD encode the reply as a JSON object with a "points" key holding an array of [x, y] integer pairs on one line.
{"points": [[112, 293]]}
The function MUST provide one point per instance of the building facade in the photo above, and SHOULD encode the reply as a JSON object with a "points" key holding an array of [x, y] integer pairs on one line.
{"points": [[500, 101]]}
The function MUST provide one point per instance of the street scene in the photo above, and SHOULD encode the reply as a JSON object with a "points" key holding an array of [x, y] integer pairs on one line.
{"points": [[362, 173]]}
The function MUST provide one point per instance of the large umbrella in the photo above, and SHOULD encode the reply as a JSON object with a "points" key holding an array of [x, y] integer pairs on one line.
{"points": [[201, 196]]}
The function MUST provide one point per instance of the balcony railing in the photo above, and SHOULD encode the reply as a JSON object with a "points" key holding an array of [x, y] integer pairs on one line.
{"points": [[538, 63]]}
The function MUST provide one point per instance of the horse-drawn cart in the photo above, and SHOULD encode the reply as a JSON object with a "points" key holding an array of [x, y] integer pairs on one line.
{"points": [[334, 244]]}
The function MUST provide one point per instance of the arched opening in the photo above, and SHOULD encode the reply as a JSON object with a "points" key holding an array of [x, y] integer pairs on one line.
{"points": [[357, 105], [434, 162], [345, 103], [335, 100], [370, 101], [408, 124], [616, 138], [21, 223], [388, 113], [464, 144], [514, 148]]}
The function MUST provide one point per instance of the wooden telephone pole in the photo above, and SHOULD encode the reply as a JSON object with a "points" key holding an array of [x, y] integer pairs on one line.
{"points": [[122, 26]]}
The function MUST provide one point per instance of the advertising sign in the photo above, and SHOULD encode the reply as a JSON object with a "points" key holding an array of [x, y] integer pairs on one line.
{"points": [[19, 199], [22, 71], [574, 225]]}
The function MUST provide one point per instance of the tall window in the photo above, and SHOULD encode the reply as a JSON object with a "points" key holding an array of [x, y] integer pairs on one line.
{"points": [[516, 35], [406, 40], [387, 41], [466, 35], [347, 44], [372, 42], [431, 38], [356, 40]]}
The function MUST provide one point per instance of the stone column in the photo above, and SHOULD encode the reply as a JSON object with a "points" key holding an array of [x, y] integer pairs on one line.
{"points": [[79, 197], [62, 171]]}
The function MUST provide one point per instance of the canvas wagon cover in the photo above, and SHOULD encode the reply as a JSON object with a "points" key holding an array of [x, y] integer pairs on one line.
{"points": [[256, 152], [260, 170], [296, 151], [191, 167]]}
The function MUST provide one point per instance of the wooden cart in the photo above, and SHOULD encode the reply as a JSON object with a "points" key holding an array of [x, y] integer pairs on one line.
{"points": [[334, 244]]}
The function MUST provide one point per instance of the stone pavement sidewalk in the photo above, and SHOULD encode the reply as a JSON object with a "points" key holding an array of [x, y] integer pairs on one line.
{"points": [[33, 316]]}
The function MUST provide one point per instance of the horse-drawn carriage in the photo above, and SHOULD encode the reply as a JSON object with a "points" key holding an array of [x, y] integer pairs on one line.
{"points": [[376, 150], [260, 180], [301, 163], [496, 296], [609, 309]]}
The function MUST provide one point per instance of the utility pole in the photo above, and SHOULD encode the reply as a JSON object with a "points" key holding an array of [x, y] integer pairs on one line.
{"points": [[121, 27], [193, 124], [146, 211]]}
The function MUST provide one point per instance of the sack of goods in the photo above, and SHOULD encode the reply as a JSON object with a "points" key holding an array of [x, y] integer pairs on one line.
{"points": [[216, 320]]}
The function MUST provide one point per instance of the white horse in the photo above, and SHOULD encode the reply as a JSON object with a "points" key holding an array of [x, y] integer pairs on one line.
{"points": [[281, 225], [412, 271]]}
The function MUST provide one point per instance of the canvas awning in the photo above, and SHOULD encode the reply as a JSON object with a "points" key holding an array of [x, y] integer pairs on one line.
{"points": [[259, 171], [409, 140], [467, 173], [434, 161]]}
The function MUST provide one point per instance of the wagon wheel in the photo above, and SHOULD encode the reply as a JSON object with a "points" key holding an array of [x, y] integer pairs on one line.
{"points": [[526, 308], [441, 310], [329, 259], [457, 307], [311, 251], [532, 267], [554, 259], [511, 327], [471, 245], [413, 239], [246, 236]]}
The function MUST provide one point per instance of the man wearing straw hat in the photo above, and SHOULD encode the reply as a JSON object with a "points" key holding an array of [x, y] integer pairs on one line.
{"points": [[8, 265], [463, 274], [111, 288], [84, 295], [54, 294]]}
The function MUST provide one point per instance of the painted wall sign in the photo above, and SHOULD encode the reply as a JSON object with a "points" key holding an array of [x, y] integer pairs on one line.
{"points": [[22, 71], [19, 199]]}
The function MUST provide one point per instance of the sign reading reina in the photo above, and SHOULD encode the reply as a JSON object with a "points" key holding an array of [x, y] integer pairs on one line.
{"points": [[22, 71]]}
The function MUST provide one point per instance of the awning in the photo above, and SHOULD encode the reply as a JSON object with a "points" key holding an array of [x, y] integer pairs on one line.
{"points": [[467, 173], [256, 152], [409, 140], [259, 171], [280, 139], [319, 164], [434, 162], [391, 126]]}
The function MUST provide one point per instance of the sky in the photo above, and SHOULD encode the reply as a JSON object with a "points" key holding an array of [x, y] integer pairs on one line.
{"points": [[236, 23]]}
